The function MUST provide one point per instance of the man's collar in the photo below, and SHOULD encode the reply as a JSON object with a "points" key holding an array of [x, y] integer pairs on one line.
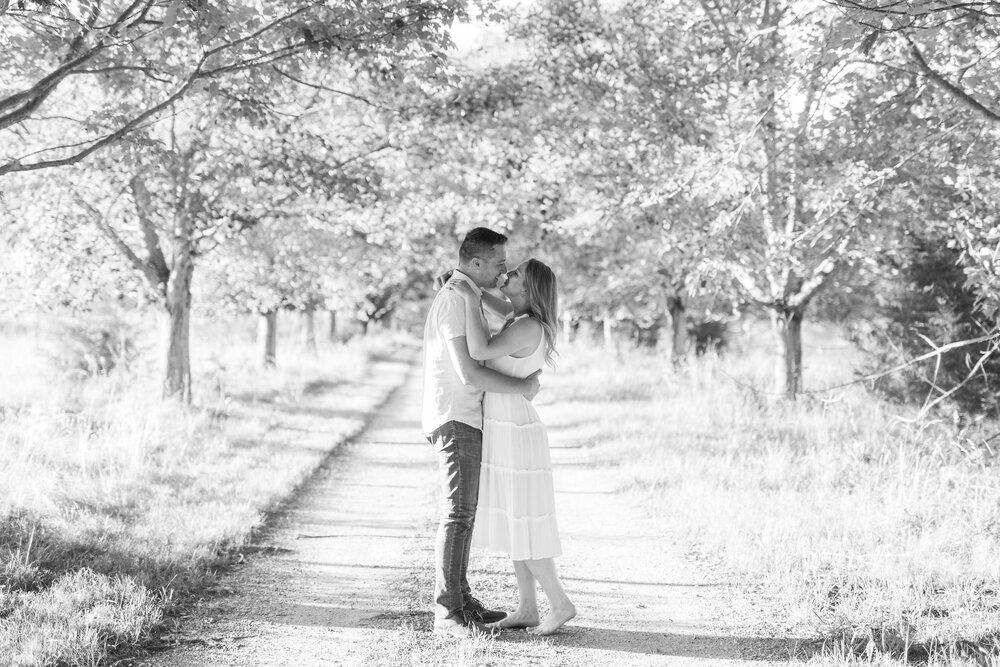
{"points": [[458, 273]]}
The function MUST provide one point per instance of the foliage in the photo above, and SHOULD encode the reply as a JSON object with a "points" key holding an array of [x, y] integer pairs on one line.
{"points": [[745, 156], [953, 45], [202, 132], [932, 304], [87, 75], [725, 156], [946, 57]]}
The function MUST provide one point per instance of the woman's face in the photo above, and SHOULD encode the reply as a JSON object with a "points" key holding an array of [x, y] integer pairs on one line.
{"points": [[515, 281]]}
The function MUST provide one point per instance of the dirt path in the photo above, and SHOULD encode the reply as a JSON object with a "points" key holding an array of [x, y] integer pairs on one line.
{"points": [[345, 578]]}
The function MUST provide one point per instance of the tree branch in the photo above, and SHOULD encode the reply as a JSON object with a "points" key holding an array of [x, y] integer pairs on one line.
{"points": [[147, 71], [952, 89], [746, 281], [122, 247], [16, 165], [912, 11], [276, 22], [143, 209], [980, 365], [809, 287], [22, 104], [993, 338], [261, 60], [318, 86]]}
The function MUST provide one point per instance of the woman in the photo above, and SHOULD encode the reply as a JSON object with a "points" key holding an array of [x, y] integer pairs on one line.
{"points": [[516, 512]]}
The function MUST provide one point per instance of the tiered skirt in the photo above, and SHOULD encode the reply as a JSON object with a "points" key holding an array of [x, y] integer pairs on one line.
{"points": [[516, 513]]}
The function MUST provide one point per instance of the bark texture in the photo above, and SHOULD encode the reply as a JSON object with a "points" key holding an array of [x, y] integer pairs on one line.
{"points": [[678, 330], [792, 337], [177, 382], [270, 319]]}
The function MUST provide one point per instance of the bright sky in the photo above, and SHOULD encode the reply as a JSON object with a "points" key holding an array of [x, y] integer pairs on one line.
{"points": [[470, 37], [483, 39], [483, 43]]}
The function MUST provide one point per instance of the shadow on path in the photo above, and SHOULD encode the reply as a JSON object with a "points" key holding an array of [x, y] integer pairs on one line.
{"points": [[719, 647]]}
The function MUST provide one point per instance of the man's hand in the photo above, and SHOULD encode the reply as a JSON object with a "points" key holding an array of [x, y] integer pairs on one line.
{"points": [[533, 384]]}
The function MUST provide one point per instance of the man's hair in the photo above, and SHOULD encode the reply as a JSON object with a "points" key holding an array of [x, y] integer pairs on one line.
{"points": [[479, 243]]}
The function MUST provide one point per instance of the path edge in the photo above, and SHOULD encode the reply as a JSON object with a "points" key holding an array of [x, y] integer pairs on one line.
{"points": [[406, 357]]}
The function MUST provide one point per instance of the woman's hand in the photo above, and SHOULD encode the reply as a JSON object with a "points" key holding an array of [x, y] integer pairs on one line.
{"points": [[443, 279]]}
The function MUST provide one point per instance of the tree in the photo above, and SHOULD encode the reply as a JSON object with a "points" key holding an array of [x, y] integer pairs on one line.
{"points": [[87, 75], [220, 172], [288, 263], [727, 132], [954, 45], [188, 181]]}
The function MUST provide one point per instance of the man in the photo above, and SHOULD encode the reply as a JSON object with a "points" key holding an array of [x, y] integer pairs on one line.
{"points": [[453, 421]]}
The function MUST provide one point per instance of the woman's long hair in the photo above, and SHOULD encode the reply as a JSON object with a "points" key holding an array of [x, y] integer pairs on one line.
{"points": [[543, 302]]}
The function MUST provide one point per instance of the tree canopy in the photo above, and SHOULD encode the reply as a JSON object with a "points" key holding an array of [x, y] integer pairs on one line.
{"points": [[789, 157]]}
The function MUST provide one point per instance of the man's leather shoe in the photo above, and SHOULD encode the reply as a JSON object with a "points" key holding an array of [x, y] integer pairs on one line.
{"points": [[481, 614], [462, 626]]}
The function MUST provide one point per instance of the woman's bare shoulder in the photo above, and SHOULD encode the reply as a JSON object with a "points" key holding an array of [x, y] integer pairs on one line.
{"points": [[527, 326]]}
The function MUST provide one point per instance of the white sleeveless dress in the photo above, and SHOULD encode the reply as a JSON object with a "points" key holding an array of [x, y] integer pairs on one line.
{"points": [[516, 513]]}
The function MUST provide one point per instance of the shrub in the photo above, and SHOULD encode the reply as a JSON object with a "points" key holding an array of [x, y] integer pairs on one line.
{"points": [[933, 303]]}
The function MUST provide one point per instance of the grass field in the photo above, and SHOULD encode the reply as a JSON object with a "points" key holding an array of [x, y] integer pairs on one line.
{"points": [[877, 536], [114, 503]]}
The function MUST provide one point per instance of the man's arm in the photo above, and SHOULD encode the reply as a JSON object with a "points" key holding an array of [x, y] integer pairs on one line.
{"points": [[486, 379]]}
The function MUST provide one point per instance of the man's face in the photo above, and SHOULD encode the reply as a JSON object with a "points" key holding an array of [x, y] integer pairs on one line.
{"points": [[492, 266]]}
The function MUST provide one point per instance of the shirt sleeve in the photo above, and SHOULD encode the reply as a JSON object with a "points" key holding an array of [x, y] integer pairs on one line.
{"points": [[451, 318]]}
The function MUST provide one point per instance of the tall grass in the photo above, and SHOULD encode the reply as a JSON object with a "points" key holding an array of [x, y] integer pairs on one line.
{"points": [[876, 535], [114, 502]]}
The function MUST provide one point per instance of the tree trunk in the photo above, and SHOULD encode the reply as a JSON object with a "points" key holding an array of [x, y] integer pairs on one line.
{"points": [[567, 325], [309, 320], [178, 379], [792, 337], [332, 332], [678, 329], [609, 332], [270, 323]]}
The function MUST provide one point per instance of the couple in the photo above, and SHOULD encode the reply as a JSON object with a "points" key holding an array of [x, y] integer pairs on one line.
{"points": [[492, 449]]}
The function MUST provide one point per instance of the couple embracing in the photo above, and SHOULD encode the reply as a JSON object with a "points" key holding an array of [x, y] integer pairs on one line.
{"points": [[493, 452]]}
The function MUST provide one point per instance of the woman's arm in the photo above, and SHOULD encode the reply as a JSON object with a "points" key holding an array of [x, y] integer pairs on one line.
{"points": [[498, 305], [476, 335], [521, 336]]}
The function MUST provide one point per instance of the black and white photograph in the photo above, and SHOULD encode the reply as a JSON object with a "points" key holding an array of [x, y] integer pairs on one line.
{"points": [[555, 333]]}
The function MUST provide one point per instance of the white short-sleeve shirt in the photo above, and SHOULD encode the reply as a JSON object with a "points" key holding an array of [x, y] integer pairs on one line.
{"points": [[445, 397]]}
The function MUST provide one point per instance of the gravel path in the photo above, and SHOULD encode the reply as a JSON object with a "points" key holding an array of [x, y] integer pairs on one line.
{"points": [[344, 577]]}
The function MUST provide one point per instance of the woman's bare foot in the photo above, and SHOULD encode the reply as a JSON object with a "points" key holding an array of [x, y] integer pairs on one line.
{"points": [[554, 620], [518, 619]]}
